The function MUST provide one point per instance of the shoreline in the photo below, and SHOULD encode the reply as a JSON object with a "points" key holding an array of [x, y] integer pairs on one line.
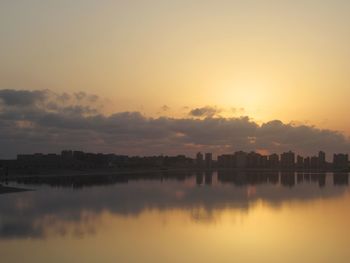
{"points": [[139, 171], [9, 189]]}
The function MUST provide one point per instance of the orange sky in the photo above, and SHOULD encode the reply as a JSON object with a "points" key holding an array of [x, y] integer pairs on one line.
{"points": [[286, 60]]}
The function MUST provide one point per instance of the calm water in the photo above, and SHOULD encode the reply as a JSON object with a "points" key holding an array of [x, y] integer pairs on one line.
{"points": [[225, 217]]}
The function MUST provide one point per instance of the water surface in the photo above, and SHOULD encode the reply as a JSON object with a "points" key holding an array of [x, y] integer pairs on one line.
{"points": [[182, 217]]}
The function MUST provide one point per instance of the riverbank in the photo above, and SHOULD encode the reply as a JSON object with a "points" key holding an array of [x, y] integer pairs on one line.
{"points": [[115, 172], [8, 190]]}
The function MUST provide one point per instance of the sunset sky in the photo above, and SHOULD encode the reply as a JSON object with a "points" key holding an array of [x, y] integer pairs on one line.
{"points": [[193, 62]]}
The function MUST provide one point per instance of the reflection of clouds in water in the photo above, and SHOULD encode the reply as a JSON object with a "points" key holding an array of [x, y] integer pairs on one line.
{"points": [[23, 204], [77, 212], [202, 215], [251, 191], [180, 194], [54, 225]]}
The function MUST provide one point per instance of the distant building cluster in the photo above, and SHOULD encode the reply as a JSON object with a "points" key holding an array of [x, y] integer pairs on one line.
{"points": [[80, 160], [287, 160], [69, 159]]}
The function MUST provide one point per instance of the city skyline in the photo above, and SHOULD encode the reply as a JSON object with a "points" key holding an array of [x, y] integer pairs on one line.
{"points": [[239, 159]]}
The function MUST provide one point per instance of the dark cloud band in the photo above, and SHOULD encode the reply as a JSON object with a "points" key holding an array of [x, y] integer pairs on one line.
{"points": [[42, 121]]}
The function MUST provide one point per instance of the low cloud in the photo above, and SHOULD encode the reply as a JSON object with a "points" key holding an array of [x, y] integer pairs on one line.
{"points": [[43, 121], [237, 110], [165, 108], [21, 97], [207, 111]]}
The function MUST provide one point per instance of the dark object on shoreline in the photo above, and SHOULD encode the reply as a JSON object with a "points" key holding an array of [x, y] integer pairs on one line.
{"points": [[8, 190]]}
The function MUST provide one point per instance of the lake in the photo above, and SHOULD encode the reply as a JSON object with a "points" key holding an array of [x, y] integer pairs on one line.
{"points": [[225, 216]]}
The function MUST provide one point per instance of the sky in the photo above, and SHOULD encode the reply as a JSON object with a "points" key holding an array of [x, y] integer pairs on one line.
{"points": [[281, 62]]}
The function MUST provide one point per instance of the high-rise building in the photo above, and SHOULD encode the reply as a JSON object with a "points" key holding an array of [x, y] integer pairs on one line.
{"points": [[208, 160], [300, 162], [321, 159], [264, 161], [314, 162], [340, 161], [274, 160], [199, 159], [307, 163], [225, 161], [253, 160], [240, 159], [67, 154], [288, 159]]}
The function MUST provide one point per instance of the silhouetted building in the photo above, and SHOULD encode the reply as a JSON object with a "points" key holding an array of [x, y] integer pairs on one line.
{"points": [[288, 160], [264, 162], [68, 159], [39, 160], [274, 160], [240, 159], [67, 154], [78, 155], [253, 160], [307, 163], [300, 162], [208, 160], [199, 159], [322, 160], [225, 161], [314, 162], [340, 161]]}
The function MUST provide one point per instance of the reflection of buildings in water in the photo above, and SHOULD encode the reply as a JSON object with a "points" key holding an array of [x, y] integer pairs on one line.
{"points": [[322, 180], [208, 179], [319, 178], [140, 193], [199, 178], [273, 177], [241, 178], [236, 177], [307, 177], [341, 179], [288, 179], [300, 178]]}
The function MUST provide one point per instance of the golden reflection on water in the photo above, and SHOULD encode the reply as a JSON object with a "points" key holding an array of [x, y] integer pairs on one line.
{"points": [[293, 231]]}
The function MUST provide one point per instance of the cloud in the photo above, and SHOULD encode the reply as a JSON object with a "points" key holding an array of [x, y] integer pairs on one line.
{"points": [[206, 111], [237, 110], [165, 108], [43, 121], [21, 97], [82, 96]]}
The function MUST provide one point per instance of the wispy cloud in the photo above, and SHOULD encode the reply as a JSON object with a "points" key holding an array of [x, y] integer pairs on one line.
{"points": [[207, 111]]}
